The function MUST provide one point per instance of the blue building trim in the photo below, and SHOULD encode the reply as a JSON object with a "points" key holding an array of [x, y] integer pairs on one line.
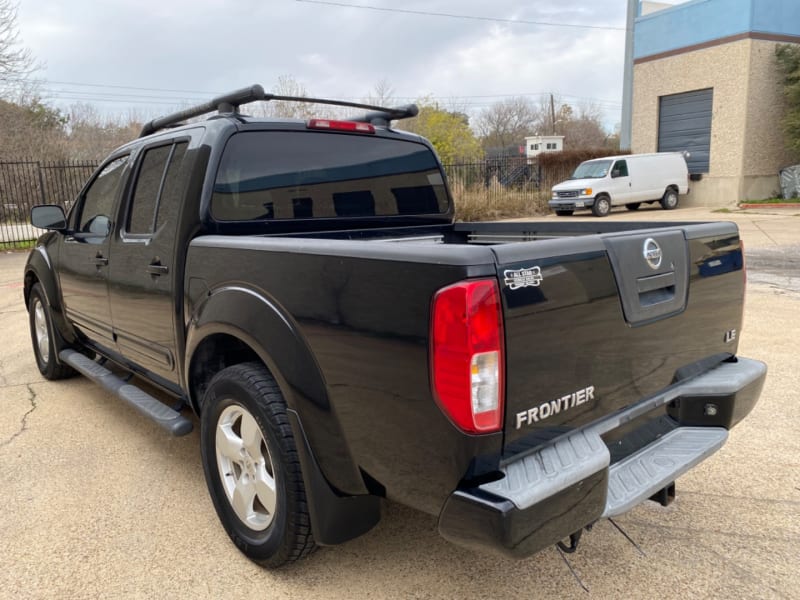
{"points": [[701, 21]]}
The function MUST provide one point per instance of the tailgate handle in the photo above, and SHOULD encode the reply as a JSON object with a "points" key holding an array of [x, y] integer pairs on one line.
{"points": [[656, 288]]}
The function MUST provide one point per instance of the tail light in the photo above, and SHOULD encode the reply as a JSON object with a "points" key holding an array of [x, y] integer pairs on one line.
{"points": [[467, 356], [353, 126]]}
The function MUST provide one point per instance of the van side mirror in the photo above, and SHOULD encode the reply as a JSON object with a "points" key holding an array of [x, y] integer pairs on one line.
{"points": [[615, 173], [49, 216]]}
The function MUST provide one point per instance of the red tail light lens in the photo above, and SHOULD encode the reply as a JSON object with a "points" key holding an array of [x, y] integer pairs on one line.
{"points": [[467, 357], [353, 126]]}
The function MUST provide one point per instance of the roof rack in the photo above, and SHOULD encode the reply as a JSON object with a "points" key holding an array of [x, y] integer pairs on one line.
{"points": [[230, 103]]}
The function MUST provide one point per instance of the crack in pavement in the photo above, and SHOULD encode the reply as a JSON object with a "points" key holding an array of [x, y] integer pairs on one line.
{"points": [[24, 420]]}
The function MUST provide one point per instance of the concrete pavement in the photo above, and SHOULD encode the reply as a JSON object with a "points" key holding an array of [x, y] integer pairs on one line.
{"points": [[98, 502]]}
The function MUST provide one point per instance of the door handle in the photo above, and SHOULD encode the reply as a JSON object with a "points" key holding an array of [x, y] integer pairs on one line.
{"points": [[99, 260], [157, 269]]}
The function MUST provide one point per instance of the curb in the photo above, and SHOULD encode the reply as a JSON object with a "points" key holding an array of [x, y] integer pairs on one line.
{"points": [[764, 205]]}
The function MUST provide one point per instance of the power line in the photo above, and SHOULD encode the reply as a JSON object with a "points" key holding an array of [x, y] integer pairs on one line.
{"points": [[468, 17]]}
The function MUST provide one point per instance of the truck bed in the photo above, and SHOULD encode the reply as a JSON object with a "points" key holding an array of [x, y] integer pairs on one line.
{"points": [[596, 320]]}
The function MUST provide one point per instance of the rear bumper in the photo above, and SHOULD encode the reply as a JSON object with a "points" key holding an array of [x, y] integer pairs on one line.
{"points": [[562, 487]]}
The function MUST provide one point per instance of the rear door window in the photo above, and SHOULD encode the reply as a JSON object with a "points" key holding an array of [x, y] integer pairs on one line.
{"points": [[302, 175], [160, 182]]}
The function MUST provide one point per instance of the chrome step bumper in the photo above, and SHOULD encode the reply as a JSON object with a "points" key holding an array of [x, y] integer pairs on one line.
{"points": [[561, 487]]}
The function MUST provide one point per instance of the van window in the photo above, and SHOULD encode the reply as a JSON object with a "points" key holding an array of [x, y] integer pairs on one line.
{"points": [[622, 167], [592, 169]]}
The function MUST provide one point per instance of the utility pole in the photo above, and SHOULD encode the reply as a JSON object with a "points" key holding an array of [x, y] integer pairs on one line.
{"points": [[553, 113], [627, 79]]}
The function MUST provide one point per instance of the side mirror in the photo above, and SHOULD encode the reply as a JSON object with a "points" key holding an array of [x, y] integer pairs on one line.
{"points": [[49, 216], [615, 173]]}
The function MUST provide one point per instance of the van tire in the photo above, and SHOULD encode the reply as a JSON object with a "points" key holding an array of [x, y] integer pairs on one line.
{"points": [[670, 199], [564, 213], [633, 205], [601, 206]]}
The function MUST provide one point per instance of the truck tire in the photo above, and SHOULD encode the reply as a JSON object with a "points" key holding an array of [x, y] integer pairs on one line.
{"points": [[251, 466], [633, 205], [564, 213], [42, 337], [601, 206], [670, 199]]}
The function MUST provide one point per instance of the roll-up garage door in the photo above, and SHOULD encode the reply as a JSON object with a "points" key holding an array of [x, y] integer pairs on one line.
{"points": [[684, 125]]}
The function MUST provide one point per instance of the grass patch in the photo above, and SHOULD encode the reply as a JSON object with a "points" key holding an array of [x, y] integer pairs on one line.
{"points": [[23, 245], [723, 210], [490, 203]]}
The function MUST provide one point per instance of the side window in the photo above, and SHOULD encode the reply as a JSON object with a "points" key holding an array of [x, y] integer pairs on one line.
{"points": [[622, 167], [175, 184], [159, 185], [148, 184], [98, 201]]}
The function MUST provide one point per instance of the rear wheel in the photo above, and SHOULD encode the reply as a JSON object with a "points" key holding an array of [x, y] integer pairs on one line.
{"points": [[564, 213], [44, 347], [633, 205], [601, 206], [251, 466], [670, 199]]}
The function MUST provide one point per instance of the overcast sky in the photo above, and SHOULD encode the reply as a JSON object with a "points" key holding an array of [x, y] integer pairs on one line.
{"points": [[206, 47]]}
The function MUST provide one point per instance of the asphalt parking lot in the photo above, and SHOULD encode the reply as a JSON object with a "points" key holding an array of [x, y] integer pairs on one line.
{"points": [[99, 502]]}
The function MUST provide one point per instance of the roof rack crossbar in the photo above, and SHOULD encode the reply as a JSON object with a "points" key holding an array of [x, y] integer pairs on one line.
{"points": [[225, 103], [229, 103]]}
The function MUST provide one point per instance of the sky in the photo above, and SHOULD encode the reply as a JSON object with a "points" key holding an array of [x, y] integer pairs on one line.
{"points": [[152, 57]]}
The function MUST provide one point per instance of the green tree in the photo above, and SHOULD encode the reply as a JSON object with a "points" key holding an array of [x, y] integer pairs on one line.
{"points": [[448, 131], [788, 56]]}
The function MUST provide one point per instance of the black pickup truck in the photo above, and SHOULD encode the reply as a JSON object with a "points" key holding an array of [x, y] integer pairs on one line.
{"points": [[302, 288]]}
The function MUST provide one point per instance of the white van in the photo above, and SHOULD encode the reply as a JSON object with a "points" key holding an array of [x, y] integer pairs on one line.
{"points": [[631, 180]]}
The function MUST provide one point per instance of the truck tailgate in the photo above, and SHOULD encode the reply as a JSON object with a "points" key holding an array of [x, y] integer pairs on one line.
{"points": [[595, 323]]}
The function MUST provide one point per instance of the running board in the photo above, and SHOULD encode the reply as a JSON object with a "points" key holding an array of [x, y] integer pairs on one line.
{"points": [[163, 415], [639, 476]]}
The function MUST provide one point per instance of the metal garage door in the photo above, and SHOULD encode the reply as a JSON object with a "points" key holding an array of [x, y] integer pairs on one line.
{"points": [[684, 124]]}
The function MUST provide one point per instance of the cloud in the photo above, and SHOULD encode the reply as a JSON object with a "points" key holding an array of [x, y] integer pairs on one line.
{"points": [[216, 46]]}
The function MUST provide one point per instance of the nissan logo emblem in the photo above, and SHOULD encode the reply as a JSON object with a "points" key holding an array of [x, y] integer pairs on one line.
{"points": [[652, 253]]}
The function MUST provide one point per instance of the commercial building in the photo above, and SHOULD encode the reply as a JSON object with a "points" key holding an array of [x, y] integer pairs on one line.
{"points": [[706, 81]]}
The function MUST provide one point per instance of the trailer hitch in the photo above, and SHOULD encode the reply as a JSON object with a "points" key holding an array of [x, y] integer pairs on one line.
{"points": [[574, 538]]}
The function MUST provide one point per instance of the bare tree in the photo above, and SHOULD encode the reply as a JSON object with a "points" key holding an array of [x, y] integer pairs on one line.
{"points": [[16, 61], [507, 122], [381, 95], [582, 129]]}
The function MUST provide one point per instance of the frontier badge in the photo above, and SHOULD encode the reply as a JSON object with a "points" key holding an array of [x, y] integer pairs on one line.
{"points": [[520, 278]]}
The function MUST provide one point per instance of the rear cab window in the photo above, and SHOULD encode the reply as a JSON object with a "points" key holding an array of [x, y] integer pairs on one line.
{"points": [[265, 175]]}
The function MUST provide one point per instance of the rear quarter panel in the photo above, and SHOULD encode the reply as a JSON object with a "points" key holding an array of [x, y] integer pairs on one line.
{"points": [[362, 309]]}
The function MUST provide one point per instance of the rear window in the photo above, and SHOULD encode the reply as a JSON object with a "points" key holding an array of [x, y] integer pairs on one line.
{"points": [[305, 175]]}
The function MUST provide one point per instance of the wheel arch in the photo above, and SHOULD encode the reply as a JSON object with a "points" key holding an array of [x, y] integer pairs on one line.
{"points": [[235, 324], [39, 269]]}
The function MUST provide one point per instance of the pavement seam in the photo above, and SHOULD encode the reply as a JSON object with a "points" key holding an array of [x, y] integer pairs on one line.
{"points": [[24, 420], [761, 229]]}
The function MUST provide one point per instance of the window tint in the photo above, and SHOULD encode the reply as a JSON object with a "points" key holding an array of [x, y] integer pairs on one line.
{"points": [[148, 184], [157, 197], [99, 199], [175, 184], [622, 167], [300, 175]]}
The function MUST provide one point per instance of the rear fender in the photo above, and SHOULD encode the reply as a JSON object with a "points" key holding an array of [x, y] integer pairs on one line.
{"points": [[257, 321]]}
